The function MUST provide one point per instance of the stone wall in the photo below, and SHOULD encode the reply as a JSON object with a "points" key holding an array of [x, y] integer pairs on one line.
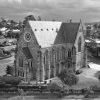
{"points": [[55, 58], [34, 48]]}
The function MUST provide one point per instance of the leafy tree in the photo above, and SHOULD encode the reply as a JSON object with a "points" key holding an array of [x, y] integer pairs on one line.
{"points": [[10, 80], [27, 18], [53, 20], [97, 75], [53, 87], [95, 26], [39, 18], [9, 70], [68, 77], [99, 26]]}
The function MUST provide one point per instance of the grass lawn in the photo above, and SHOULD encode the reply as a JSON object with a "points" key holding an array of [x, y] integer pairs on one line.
{"points": [[86, 79]]}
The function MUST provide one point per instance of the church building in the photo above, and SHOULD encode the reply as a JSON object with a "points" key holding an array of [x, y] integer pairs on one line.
{"points": [[45, 48]]}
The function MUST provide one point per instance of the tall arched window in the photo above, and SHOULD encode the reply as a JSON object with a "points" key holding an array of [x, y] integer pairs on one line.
{"points": [[52, 56], [69, 53], [46, 67], [20, 62], [52, 63], [79, 44], [57, 54], [63, 52]]}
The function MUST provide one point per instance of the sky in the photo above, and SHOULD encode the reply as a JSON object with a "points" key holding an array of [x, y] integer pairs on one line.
{"points": [[60, 10]]}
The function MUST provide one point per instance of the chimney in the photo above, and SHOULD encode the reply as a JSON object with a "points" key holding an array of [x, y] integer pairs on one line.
{"points": [[70, 20]]}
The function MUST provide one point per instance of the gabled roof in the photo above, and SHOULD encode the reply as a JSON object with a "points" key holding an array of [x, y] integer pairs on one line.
{"points": [[48, 33], [27, 52], [45, 31], [67, 33]]}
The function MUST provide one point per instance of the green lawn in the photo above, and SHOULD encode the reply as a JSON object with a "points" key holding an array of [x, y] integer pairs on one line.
{"points": [[86, 79]]}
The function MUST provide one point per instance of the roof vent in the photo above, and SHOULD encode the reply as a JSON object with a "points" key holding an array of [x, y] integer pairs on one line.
{"points": [[35, 29], [56, 29]]}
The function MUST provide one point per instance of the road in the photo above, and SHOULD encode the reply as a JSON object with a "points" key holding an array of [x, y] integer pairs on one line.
{"points": [[4, 63]]}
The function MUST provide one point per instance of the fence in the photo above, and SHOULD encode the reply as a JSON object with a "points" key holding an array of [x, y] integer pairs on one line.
{"points": [[40, 89]]}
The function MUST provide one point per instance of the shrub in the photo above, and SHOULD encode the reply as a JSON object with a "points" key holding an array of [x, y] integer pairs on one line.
{"points": [[10, 80], [97, 75], [68, 77], [9, 70], [53, 87], [78, 72]]}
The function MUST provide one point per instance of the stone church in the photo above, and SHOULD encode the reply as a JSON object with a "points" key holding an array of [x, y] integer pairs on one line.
{"points": [[45, 48]]}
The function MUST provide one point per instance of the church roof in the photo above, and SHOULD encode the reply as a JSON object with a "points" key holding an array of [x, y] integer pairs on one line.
{"points": [[67, 33], [45, 31], [27, 52], [48, 33]]}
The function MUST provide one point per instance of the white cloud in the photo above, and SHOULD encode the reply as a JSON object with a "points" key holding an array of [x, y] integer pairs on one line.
{"points": [[52, 8]]}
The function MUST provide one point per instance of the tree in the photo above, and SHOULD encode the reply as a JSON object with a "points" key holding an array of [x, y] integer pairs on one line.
{"points": [[39, 18], [68, 77], [9, 70], [53, 87], [97, 75], [12, 80], [99, 26], [95, 26], [53, 20], [30, 17]]}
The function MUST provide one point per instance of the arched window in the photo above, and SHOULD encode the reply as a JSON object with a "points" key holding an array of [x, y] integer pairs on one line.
{"points": [[79, 44], [57, 54], [52, 63], [69, 53], [46, 56], [52, 55], [44, 59], [46, 67], [63, 52], [69, 65], [20, 62]]}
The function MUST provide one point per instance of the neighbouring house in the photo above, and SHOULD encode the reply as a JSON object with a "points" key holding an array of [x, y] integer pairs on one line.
{"points": [[46, 47]]}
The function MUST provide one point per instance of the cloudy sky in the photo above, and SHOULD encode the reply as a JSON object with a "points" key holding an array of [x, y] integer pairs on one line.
{"points": [[61, 10]]}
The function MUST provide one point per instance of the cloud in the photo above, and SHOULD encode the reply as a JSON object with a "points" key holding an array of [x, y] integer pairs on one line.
{"points": [[48, 9]]}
